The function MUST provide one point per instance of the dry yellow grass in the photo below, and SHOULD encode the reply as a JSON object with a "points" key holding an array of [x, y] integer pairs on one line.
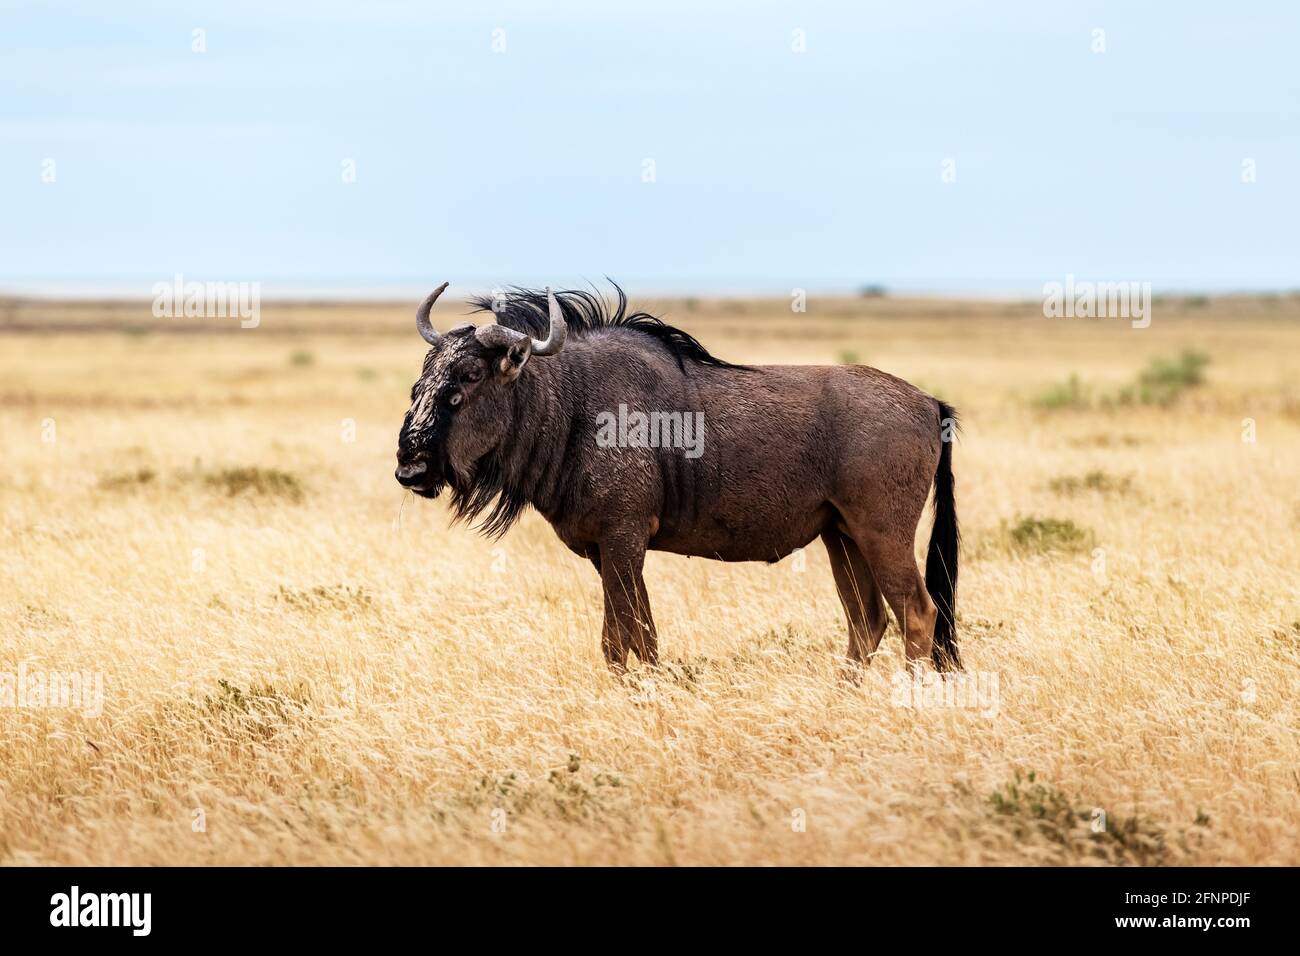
{"points": [[301, 666]]}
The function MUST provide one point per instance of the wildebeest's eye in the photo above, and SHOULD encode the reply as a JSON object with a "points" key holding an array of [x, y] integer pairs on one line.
{"points": [[455, 399]]}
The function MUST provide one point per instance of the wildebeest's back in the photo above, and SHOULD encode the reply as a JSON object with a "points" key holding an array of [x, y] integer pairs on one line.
{"points": [[776, 442]]}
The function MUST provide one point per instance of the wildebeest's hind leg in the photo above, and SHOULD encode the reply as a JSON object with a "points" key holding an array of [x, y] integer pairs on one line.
{"points": [[893, 562], [628, 623], [863, 604], [889, 549]]}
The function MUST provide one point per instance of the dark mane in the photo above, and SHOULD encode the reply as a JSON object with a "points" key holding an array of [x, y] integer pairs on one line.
{"points": [[490, 490], [525, 310]]}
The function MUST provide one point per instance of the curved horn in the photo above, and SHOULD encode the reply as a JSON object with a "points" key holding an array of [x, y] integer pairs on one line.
{"points": [[422, 323], [556, 334], [498, 336]]}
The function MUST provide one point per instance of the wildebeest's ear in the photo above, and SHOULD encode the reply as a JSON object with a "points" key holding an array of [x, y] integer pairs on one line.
{"points": [[512, 362]]}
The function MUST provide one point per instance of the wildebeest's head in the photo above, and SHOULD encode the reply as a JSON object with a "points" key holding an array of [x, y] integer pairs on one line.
{"points": [[460, 407]]}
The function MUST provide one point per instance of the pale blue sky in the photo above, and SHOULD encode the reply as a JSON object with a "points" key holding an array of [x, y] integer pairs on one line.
{"points": [[773, 168]]}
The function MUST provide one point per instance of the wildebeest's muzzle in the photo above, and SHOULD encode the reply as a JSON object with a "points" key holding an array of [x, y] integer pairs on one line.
{"points": [[426, 478], [412, 475], [422, 467]]}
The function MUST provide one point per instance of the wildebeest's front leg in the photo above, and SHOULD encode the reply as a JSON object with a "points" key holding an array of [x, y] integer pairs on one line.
{"points": [[863, 604], [628, 624]]}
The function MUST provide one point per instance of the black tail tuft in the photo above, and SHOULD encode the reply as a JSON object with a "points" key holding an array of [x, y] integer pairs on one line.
{"points": [[941, 559]]}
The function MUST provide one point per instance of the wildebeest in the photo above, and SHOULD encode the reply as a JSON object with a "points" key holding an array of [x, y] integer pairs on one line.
{"points": [[521, 412]]}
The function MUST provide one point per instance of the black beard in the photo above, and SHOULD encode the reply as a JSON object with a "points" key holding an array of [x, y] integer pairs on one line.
{"points": [[487, 488], [431, 490]]}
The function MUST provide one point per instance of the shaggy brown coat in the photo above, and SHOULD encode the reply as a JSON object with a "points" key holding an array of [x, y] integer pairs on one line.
{"points": [[788, 454]]}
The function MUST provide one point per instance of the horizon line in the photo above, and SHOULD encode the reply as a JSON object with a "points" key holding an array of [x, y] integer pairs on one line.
{"points": [[402, 289]]}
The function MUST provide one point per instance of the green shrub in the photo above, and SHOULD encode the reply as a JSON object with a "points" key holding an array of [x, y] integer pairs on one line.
{"points": [[1033, 809], [1033, 534], [1164, 380], [127, 480], [257, 481], [1098, 481], [1067, 394]]}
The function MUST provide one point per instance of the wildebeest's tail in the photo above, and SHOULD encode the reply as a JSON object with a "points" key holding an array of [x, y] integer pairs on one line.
{"points": [[941, 560]]}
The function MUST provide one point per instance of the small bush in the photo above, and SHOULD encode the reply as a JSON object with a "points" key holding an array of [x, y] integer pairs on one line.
{"points": [[261, 711], [1161, 383], [1035, 809], [125, 481], [1164, 380], [849, 357], [1049, 534], [301, 359], [570, 792], [338, 597], [1068, 394], [257, 481], [1098, 481], [1106, 440]]}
